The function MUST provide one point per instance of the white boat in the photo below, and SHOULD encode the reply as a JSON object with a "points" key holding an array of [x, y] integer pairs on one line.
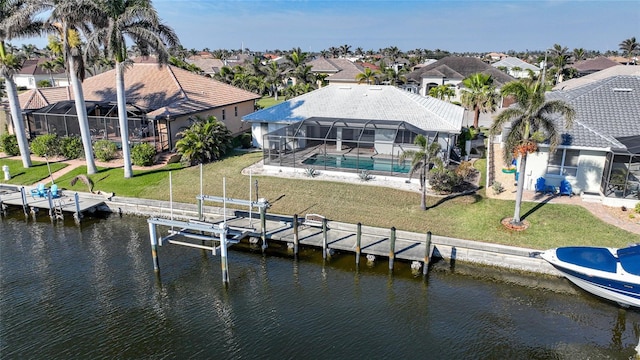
{"points": [[610, 273]]}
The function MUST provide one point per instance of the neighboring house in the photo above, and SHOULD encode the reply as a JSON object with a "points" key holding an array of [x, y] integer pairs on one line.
{"points": [[591, 66], [597, 76], [451, 70], [31, 73], [209, 65], [516, 67], [600, 154], [162, 101], [494, 56], [347, 128], [340, 71], [624, 60]]}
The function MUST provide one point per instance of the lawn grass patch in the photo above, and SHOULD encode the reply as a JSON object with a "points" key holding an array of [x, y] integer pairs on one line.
{"points": [[38, 172]]}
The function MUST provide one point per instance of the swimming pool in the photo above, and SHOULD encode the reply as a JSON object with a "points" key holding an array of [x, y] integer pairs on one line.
{"points": [[352, 162]]}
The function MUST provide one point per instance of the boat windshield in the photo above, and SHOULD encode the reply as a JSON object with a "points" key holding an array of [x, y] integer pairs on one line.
{"points": [[630, 259], [589, 257]]}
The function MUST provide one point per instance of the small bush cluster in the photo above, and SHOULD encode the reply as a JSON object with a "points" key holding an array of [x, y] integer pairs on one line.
{"points": [[143, 154], [442, 179], [104, 150], [637, 209], [365, 175], [497, 187], [45, 145], [465, 170], [70, 147], [9, 144], [311, 172]]}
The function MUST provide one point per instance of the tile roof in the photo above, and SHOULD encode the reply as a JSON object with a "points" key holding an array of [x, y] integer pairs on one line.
{"points": [[339, 69], [511, 62], [366, 102], [41, 97], [605, 110], [31, 67], [464, 66], [596, 64], [208, 65], [164, 91], [597, 76]]}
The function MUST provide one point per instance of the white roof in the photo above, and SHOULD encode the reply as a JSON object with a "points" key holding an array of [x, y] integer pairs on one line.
{"points": [[366, 102], [511, 62], [633, 70]]}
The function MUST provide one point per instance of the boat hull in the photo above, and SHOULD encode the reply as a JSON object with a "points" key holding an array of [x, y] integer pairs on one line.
{"points": [[619, 287]]}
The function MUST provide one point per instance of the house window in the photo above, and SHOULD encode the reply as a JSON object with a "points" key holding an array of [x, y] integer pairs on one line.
{"points": [[563, 162], [235, 110], [224, 115]]}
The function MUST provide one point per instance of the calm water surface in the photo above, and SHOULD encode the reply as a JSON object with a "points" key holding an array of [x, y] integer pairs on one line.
{"points": [[89, 292]]}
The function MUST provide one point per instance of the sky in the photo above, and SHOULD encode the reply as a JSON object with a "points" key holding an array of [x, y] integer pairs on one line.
{"points": [[456, 26]]}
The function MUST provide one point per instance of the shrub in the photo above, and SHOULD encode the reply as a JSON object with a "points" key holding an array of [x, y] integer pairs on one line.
{"points": [[143, 154], [365, 176], [443, 180], [104, 150], [9, 144], [44, 83], [465, 169], [311, 172], [246, 140], [70, 147], [497, 187], [637, 209], [45, 145]]}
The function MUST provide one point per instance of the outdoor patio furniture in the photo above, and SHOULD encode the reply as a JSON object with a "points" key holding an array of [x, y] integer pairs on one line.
{"points": [[541, 185], [54, 191], [565, 188], [39, 191]]}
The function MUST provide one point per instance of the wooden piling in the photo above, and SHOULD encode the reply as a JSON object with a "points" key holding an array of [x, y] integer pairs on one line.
{"points": [[358, 243], [223, 254], [154, 247], [77, 215], [25, 206], [263, 227], [392, 247], [296, 239], [51, 208], [324, 238], [427, 254]]}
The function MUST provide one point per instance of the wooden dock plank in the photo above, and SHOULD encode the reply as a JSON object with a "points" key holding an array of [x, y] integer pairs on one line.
{"points": [[66, 200]]}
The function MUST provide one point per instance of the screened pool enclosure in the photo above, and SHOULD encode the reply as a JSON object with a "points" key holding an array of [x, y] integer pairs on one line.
{"points": [[345, 145]]}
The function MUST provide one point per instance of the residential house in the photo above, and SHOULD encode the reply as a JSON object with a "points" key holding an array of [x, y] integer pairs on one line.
{"points": [[589, 66], [451, 70], [208, 65], [161, 102], [597, 76], [515, 67], [339, 71], [350, 128], [600, 154], [31, 73]]}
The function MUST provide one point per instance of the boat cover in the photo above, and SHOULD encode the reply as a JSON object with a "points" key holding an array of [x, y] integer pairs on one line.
{"points": [[630, 259], [589, 257]]}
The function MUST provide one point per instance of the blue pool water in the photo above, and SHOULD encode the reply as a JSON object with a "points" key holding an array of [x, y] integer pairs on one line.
{"points": [[353, 162]]}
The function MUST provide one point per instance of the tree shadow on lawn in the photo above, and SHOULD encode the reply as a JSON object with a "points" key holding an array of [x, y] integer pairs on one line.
{"points": [[471, 193], [535, 208]]}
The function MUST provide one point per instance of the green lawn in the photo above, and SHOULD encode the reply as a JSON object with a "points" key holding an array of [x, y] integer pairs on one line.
{"points": [[36, 173], [473, 217], [267, 101]]}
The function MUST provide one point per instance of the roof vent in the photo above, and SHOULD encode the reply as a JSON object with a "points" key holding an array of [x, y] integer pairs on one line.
{"points": [[375, 88], [622, 90], [345, 87]]}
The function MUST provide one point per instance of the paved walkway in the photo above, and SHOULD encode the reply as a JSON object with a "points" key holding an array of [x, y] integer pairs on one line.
{"points": [[605, 213]]}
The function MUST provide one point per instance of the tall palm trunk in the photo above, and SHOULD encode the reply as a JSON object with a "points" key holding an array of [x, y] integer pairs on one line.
{"points": [[476, 117], [519, 189], [18, 122], [423, 180], [122, 118], [83, 121]]}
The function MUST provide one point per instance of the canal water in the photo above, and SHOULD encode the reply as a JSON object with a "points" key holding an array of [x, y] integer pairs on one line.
{"points": [[89, 292]]}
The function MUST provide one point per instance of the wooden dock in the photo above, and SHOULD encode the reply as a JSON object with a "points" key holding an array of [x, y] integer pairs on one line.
{"points": [[69, 202]]}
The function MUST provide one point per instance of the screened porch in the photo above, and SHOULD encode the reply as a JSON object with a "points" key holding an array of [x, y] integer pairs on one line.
{"points": [[345, 145]]}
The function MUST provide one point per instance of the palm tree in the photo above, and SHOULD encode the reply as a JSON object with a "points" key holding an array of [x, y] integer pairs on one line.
{"points": [[479, 95], [206, 140], [367, 75], [532, 123], [442, 92], [138, 20], [579, 54], [16, 22], [344, 50], [50, 66], [561, 58], [420, 162], [67, 18], [629, 47], [273, 78]]}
